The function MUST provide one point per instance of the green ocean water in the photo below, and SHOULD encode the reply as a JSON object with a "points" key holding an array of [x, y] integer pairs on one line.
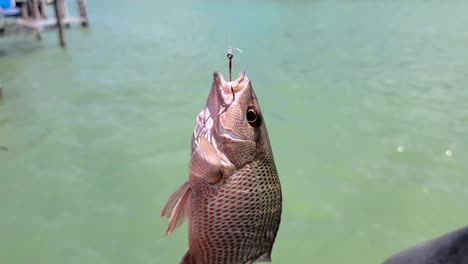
{"points": [[365, 103]]}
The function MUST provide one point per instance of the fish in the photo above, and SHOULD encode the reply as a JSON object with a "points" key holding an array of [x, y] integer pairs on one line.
{"points": [[449, 248], [233, 198]]}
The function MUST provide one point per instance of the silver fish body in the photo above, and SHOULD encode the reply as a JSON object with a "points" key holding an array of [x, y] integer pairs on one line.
{"points": [[233, 197]]}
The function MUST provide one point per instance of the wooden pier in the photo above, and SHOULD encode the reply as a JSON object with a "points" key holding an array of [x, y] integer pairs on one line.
{"points": [[33, 16]]}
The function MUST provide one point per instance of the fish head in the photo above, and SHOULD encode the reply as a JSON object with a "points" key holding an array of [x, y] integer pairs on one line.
{"points": [[231, 120]]}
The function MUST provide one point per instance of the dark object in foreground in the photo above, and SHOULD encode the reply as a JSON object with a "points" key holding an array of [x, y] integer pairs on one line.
{"points": [[451, 248]]}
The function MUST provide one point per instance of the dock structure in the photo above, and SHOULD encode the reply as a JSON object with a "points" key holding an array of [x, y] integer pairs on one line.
{"points": [[32, 15]]}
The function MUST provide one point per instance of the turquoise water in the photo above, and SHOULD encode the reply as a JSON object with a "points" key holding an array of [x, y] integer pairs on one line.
{"points": [[365, 105]]}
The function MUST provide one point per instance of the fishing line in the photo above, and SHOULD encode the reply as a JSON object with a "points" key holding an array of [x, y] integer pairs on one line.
{"points": [[230, 55], [229, 51]]}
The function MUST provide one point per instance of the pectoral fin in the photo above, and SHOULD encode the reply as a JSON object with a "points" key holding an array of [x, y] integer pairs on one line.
{"points": [[176, 207], [205, 162]]}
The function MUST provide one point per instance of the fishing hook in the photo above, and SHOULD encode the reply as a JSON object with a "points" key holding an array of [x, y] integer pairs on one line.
{"points": [[233, 94], [230, 56]]}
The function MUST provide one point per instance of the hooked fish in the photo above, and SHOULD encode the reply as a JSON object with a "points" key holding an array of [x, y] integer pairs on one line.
{"points": [[233, 196]]}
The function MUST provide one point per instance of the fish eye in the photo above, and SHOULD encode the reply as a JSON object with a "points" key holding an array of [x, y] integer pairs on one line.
{"points": [[252, 117]]}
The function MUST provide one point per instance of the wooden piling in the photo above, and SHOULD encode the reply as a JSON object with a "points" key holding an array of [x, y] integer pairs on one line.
{"points": [[43, 9], [58, 16], [30, 8], [34, 17], [24, 11], [35, 9], [83, 13], [63, 9]]}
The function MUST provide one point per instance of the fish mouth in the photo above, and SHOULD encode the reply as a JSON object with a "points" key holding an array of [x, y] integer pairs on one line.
{"points": [[221, 96], [223, 93]]}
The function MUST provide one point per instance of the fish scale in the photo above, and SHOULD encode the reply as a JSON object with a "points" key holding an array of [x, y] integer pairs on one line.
{"points": [[240, 225], [233, 197]]}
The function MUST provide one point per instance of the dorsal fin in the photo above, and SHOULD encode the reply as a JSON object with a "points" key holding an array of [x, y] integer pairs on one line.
{"points": [[205, 162], [176, 207]]}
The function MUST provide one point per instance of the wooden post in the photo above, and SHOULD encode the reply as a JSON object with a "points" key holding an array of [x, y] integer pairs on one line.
{"points": [[35, 9], [63, 9], [30, 5], [43, 9], [24, 10], [83, 13], [58, 16]]}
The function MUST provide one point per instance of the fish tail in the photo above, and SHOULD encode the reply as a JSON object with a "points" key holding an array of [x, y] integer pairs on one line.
{"points": [[176, 207]]}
